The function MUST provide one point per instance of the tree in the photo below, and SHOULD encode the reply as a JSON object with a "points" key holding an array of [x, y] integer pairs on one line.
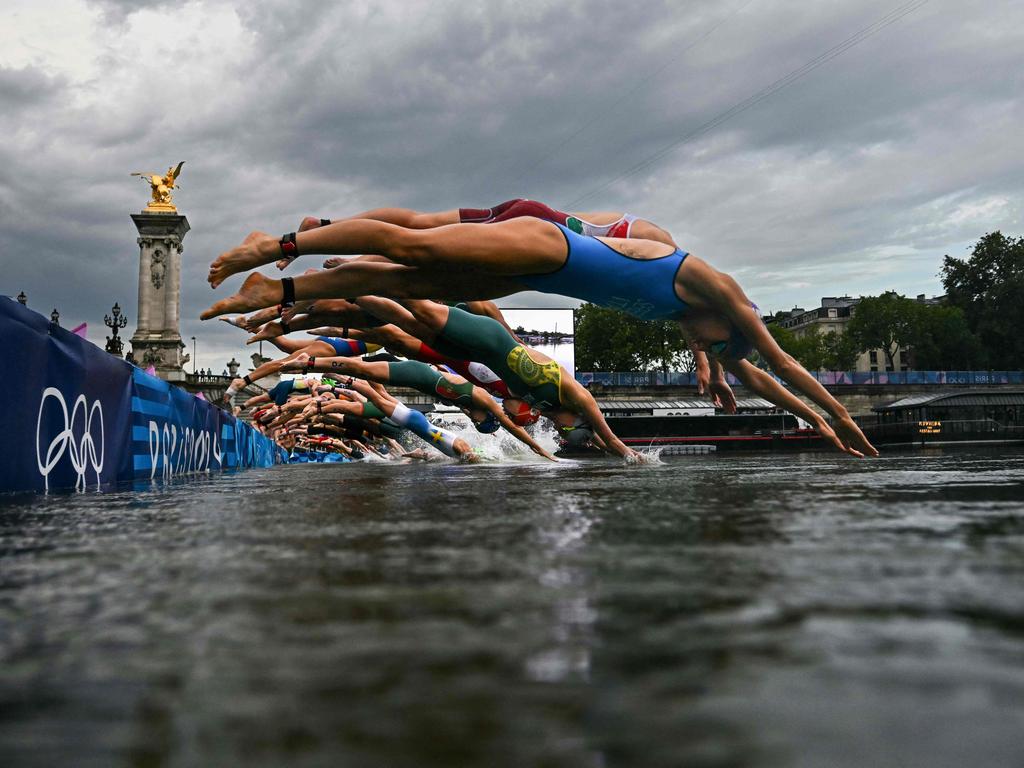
{"points": [[883, 322], [783, 337], [942, 340], [989, 288], [610, 340], [839, 351]]}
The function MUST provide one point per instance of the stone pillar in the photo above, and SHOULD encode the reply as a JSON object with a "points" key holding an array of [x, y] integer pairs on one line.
{"points": [[157, 338]]}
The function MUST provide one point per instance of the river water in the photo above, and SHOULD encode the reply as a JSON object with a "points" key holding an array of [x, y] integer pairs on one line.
{"points": [[720, 610]]}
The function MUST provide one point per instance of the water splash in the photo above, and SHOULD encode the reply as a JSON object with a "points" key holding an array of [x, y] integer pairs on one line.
{"points": [[497, 446]]}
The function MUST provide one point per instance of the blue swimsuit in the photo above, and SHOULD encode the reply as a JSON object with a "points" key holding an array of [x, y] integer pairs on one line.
{"points": [[596, 272], [345, 347]]}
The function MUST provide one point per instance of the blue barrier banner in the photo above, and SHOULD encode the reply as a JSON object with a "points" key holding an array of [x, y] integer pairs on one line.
{"points": [[77, 417], [64, 413], [827, 378]]}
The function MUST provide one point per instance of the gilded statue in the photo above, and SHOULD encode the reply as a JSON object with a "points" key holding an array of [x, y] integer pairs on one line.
{"points": [[161, 187]]}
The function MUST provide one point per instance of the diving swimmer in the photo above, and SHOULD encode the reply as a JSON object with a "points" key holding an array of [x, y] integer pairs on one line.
{"points": [[646, 278]]}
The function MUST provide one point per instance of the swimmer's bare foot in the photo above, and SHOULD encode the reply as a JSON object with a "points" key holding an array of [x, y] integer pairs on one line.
{"points": [[334, 261], [254, 321], [238, 322], [256, 292], [268, 331], [257, 249], [288, 314]]}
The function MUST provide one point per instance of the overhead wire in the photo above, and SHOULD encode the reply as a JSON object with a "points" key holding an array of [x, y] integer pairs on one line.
{"points": [[853, 40]]}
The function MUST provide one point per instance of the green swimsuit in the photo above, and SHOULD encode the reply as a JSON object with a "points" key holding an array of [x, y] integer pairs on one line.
{"points": [[473, 337], [421, 377]]}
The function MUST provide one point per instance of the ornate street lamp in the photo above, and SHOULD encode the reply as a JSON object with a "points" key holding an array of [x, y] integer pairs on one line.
{"points": [[55, 317], [23, 299], [115, 346]]}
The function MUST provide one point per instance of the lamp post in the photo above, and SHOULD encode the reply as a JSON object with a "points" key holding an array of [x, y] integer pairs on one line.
{"points": [[114, 343], [23, 299], [194, 359], [55, 317]]}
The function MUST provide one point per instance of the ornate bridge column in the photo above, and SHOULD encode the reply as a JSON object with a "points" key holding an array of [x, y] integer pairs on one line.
{"points": [[157, 339]]}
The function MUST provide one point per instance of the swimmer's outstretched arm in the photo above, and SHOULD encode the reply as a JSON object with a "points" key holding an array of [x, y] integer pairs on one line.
{"points": [[510, 426], [721, 293], [760, 383], [256, 400], [584, 403]]}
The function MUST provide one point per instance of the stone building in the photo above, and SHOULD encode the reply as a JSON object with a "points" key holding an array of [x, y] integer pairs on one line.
{"points": [[832, 317]]}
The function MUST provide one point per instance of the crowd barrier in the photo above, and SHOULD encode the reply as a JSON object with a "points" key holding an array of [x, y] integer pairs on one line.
{"points": [[76, 417], [827, 378]]}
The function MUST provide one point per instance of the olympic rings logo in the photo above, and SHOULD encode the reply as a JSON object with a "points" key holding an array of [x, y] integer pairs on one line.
{"points": [[81, 450]]}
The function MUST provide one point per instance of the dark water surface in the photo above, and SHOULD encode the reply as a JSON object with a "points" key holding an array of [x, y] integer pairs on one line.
{"points": [[774, 610]]}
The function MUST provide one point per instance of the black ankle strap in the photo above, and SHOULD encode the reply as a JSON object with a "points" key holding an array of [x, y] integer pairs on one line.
{"points": [[285, 327], [289, 248], [288, 292]]}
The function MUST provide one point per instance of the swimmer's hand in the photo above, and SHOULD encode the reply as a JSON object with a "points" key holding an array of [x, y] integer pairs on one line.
{"points": [[703, 373], [641, 458], [846, 437], [288, 314], [721, 394], [269, 331], [852, 439]]}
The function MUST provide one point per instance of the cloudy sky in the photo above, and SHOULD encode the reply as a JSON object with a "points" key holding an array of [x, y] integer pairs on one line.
{"points": [[855, 178]]}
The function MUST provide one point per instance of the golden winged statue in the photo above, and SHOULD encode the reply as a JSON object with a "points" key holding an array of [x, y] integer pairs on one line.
{"points": [[161, 187]]}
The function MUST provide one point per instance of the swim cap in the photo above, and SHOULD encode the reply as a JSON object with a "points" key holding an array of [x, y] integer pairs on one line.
{"points": [[737, 347], [488, 424], [577, 437], [525, 415]]}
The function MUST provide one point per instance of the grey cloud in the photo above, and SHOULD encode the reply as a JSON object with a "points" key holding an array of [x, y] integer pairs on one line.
{"points": [[26, 87], [903, 142]]}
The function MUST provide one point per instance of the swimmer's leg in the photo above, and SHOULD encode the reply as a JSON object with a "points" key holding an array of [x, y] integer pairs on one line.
{"points": [[522, 246], [359, 278]]}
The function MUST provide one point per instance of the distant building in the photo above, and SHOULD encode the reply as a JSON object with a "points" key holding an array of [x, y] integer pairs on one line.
{"points": [[833, 316]]}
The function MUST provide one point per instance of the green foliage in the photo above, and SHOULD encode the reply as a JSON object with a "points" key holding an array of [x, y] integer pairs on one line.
{"points": [[816, 351], [610, 340], [839, 351], [942, 341], [883, 322], [989, 288]]}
